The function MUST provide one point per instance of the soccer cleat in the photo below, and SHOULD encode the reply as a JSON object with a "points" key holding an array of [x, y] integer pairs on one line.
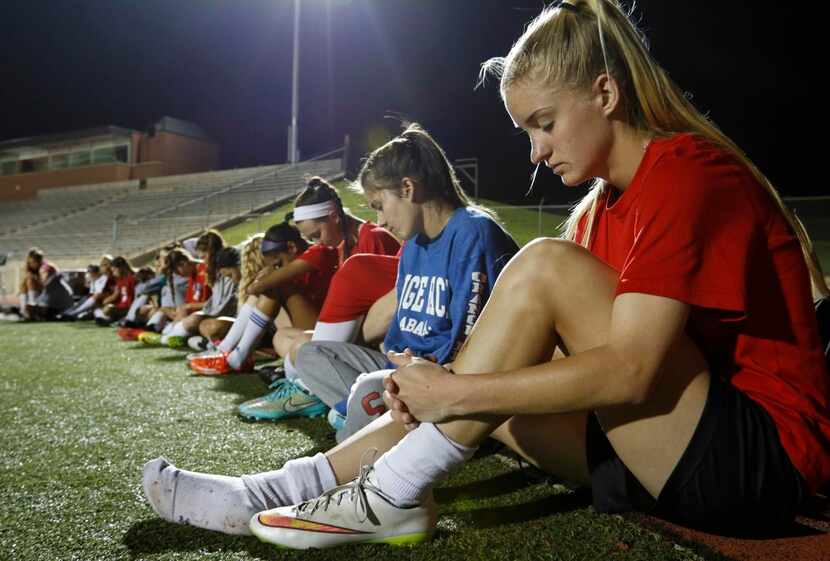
{"points": [[217, 365], [270, 374], [209, 352], [128, 333], [197, 343], [150, 338], [335, 419], [286, 400], [358, 512], [176, 342]]}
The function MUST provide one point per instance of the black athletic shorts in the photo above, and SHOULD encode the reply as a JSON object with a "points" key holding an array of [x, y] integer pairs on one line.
{"points": [[734, 476]]}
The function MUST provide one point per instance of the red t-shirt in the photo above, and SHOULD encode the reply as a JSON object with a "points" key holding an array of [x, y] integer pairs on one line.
{"points": [[694, 225], [358, 284], [197, 289], [371, 238], [125, 288], [315, 284]]}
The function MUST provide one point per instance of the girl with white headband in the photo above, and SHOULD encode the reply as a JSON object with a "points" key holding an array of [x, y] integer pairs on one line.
{"points": [[320, 216], [296, 280]]}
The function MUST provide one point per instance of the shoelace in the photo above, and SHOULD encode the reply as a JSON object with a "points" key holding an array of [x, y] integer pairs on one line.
{"points": [[281, 388], [355, 490]]}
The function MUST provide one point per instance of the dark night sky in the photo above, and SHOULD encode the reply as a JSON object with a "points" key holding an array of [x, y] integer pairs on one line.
{"points": [[226, 66]]}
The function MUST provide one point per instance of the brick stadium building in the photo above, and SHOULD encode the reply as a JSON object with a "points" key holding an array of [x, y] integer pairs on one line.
{"points": [[103, 155]]}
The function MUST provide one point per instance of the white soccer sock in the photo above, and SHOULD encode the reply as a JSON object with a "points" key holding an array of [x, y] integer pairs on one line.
{"points": [[23, 303], [226, 504], [343, 331], [297, 481], [414, 465], [31, 296], [173, 330], [213, 502], [155, 319], [137, 303], [237, 329], [99, 313], [291, 371], [257, 323]]}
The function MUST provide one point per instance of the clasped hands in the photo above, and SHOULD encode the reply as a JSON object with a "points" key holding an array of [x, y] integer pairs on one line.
{"points": [[419, 390]]}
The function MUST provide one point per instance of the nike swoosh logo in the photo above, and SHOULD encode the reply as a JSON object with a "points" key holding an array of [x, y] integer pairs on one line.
{"points": [[293, 407], [275, 521]]}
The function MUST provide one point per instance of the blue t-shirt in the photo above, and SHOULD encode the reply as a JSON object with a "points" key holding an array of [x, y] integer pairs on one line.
{"points": [[443, 284]]}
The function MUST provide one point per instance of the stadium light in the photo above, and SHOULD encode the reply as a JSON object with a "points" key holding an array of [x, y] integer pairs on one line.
{"points": [[293, 146], [293, 152]]}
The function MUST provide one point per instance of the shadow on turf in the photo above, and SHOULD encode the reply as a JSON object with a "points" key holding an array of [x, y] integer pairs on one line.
{"points": [[524, 512], [158, 536], [178, 357], [246, 386]]}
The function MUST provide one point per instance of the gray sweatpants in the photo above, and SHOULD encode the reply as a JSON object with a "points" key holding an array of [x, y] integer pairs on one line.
{"points": [[337, 371]]}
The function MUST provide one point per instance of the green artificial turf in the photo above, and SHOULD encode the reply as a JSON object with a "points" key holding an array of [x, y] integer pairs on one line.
{"points": [[81, 411]]}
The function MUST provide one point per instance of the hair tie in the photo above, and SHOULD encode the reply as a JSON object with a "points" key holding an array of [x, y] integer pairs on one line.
{"points": [[268, 246]]}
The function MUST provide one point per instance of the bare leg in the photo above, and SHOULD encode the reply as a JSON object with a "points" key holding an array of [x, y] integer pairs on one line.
{"points": [[299, 341], [191, 322], [570, 293], [568, 296], [285, 338], [214, 328]]}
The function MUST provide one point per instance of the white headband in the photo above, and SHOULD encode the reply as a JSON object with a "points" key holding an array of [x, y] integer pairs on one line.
{"points": [[319, 210]]}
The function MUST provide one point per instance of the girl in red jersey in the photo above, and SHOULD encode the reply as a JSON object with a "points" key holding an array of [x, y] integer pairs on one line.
{"points": [[222, 287], [321, 218], [116, 305], [694, 384], [180, 262], [296, 279]]}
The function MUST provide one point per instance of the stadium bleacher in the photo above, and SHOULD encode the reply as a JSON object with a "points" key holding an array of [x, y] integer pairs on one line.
{"points": [[75, 225]]}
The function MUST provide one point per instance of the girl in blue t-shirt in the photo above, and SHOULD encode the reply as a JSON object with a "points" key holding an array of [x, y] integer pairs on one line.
{"points": [[452, 256]]}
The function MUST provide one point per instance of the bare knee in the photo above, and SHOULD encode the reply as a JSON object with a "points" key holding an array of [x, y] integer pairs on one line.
{"points": [[298, 342], [210, 328]]}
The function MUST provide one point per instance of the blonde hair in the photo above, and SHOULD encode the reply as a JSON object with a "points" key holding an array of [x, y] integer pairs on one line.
{"points": [[251, 263], [571, 44]]}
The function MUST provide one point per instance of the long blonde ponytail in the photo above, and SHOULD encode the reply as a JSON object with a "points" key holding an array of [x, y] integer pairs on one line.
{"points": [[572, 43]]}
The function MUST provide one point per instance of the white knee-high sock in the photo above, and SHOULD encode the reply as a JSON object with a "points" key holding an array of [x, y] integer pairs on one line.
{"points": [[226, 504], [414, 465], [257, 323], [134, 307], [156, 321], [84, 306], [237, 329]]}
